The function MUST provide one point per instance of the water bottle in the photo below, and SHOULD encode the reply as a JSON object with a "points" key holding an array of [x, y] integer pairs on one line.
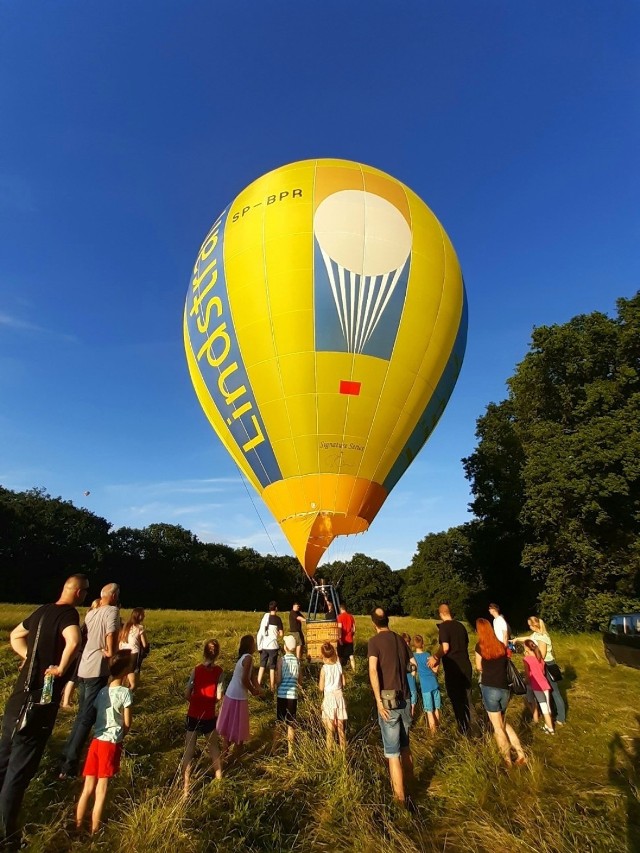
{"points": [[47, 689]]}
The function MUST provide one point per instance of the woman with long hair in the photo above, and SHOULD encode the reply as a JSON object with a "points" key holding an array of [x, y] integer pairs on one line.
{"points": [[491, 663], [134, 639], [540, 636]]}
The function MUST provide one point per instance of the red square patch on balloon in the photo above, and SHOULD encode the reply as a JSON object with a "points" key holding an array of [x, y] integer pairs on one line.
{"points": [[348, 387]]}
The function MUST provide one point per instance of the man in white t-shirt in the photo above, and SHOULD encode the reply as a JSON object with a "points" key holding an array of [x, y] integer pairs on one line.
{"points": [[500, 627], [270, 631]]}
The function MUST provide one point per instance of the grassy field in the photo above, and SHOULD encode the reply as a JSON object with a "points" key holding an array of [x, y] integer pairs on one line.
{"points": [[579, 791]]}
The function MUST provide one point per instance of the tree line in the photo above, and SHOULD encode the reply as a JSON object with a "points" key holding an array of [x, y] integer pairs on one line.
{"points": [[44, 538], [555, 480]]}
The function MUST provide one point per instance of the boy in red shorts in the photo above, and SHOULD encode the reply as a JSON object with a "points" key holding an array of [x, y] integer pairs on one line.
{"points": [[113, 706]]}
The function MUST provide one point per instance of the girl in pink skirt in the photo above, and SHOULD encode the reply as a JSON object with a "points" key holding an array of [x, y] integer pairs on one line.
{"points": [[334, 710], [233, 722]]}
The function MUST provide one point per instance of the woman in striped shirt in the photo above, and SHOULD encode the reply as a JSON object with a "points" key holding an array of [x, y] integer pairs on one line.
{"points": [[288, 674]]}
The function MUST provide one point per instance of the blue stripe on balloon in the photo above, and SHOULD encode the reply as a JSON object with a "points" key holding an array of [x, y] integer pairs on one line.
{"points": [[261, 459], [435, 407]]}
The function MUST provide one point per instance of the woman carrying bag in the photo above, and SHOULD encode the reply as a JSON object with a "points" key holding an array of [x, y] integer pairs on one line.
{"points": [[491, 664]]}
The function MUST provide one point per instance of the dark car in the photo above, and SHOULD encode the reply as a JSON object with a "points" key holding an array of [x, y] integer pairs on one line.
{"points": [[622, 640]]}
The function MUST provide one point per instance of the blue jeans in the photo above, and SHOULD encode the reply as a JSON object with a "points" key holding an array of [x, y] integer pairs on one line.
{"points": [[88, 689], [495, 698], [561, 711], [20, 755], [395, 730], [413, 689]]}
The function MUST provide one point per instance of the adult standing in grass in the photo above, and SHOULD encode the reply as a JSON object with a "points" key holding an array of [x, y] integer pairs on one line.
{"points": [[233, 722], [491, 664], [47, 641], [347, 636], [103, 625], [500, 627], [389, 659], [296, 622], [453, 651], [269, 633], [541, 638]]}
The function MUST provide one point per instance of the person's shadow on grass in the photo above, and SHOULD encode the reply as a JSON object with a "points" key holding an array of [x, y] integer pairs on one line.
{"points": [[624, 773]]}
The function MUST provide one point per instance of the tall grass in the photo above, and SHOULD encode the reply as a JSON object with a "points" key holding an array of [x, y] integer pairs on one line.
{"points": [[578, 792]]}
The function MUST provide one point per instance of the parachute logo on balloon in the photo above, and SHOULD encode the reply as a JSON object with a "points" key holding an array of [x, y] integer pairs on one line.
{"points": [[365, 243], [324, 335]]}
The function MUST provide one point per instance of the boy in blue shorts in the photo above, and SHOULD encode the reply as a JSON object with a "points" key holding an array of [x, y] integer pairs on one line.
{"points": [[428, 684]]}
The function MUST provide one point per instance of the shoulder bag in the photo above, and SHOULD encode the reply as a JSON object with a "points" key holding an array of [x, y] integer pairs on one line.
{"points": [[391, 698], [26, 711], [553, 671]]}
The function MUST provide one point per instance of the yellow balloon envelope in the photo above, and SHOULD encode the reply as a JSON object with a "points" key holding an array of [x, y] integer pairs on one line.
{"points": [[325, 327]]}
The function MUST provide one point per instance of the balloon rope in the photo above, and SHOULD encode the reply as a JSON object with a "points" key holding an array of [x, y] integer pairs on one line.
{"points": [[244, 483]]}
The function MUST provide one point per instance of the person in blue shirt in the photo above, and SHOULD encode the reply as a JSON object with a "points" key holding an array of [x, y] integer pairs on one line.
{"points": [[113, 721], [411, 677], [428, 684]]}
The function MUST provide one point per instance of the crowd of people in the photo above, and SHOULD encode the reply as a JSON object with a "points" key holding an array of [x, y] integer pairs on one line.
{"points": [[102, 660]]}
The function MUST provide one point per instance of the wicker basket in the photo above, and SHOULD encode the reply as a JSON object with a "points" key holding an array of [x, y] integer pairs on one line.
{"points": [[318, 633]]}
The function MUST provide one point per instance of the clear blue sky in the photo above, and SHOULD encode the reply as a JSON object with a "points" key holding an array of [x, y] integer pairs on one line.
{"points": [[126, 127]]}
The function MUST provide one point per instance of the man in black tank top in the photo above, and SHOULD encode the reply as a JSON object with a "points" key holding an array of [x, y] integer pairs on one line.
{"points": [[47, 641]]}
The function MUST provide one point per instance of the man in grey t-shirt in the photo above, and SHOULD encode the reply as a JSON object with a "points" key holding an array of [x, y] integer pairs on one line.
{"points": [[103, 625]]}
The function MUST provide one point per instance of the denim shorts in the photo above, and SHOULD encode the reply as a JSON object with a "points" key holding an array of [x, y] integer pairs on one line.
{"points": [[431, 700], [494, 698], [395, 730]]}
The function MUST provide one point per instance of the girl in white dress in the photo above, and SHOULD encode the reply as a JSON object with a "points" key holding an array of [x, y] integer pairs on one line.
{"points": [[334, 710]]}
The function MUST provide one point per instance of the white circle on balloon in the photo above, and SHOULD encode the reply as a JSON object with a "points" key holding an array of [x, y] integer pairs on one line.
{"points": [[362, 232]]}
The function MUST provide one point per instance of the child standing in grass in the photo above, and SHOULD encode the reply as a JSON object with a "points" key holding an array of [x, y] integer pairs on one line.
{"points": [[204, 691], [233, 722], [534, 671], [334, 710], [113, 721], [133, 637], [411, 678], [428, 684], [288, 675]]}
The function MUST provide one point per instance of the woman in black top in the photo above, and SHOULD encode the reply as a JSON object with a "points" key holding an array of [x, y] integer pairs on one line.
{"points": [[491, 663]]}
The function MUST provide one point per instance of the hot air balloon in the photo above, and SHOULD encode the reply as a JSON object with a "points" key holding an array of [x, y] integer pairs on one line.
{"points": [[325, 326]]}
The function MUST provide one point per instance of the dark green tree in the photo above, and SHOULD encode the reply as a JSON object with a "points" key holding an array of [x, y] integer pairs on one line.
{"points": [[365, 583], [495, 470], [576, 396], [42, 541], [442, 570], [556, 474]]}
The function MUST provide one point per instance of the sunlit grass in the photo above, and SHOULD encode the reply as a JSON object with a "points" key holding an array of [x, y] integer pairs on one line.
{"points": [[579, 791]]}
